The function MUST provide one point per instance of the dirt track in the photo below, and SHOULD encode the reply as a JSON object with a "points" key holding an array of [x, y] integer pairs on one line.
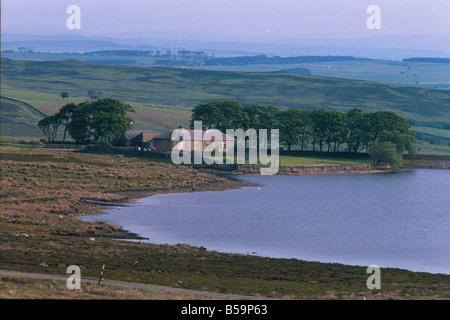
{"points": [[130, 285]]}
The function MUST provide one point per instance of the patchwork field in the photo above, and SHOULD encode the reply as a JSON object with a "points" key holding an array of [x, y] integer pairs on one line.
{"points": [[430, 75], [418, 74]]}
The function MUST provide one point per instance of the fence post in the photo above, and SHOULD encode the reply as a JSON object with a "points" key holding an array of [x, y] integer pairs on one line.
{"points": [[101, 274]]}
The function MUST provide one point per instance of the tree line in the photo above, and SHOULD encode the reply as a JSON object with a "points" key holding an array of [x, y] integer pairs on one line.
{"points": [[263, 59], [385, 135], [432, 60], [90, 121]]}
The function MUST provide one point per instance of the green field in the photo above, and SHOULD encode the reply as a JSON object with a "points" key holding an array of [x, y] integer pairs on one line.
{"points": [[432, 131], [18, 120], [320, 161], [163, 97], [425, 75]]}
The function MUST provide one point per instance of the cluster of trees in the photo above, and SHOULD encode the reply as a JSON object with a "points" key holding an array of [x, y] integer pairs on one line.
{"points": [[93, 94], [90, 121], [383, 134]]}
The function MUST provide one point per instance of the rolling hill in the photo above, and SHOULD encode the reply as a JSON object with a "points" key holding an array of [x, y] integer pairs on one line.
{"points": [[163, 97]]}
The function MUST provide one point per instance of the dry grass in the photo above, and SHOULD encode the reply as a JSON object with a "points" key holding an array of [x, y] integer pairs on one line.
{"points": [[28, 288], [46, 188]]}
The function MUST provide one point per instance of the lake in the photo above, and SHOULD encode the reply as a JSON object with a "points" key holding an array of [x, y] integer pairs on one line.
{"points": [[389, 219]]}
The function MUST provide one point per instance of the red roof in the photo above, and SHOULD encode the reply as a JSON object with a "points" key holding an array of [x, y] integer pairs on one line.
{"points": [[193, 133]]}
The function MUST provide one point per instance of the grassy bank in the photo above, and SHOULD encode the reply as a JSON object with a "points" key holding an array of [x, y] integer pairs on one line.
{"points": [[320, 161], [44, 191]]}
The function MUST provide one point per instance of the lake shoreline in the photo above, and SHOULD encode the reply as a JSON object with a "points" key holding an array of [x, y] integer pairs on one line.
{"points": [[231, 182], [91, 208], [302, 170], [160, 238], [313, 170], [88, 208]]}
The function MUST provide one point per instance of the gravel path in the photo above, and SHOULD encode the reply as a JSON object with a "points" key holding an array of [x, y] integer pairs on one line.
{"points": [[130, 285]]}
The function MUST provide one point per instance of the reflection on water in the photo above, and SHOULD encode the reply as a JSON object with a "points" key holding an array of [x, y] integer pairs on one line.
{"points": [[389, 220]]}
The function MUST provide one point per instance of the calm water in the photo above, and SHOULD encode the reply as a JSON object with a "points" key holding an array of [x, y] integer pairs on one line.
{"points": [[390, 220]]}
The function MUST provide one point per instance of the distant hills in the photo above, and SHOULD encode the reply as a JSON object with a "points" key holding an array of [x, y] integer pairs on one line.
{"points": [[391, 47]]}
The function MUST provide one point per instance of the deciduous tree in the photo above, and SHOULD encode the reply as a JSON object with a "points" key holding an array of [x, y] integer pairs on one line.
{"points": [[100, 119], [49, 126]]}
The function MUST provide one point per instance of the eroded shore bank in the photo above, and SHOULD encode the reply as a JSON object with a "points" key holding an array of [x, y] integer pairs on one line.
{"points": [[311, 170]]}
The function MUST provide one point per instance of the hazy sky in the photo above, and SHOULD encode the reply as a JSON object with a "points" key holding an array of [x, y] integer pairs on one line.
{"points": [[243, 18]]}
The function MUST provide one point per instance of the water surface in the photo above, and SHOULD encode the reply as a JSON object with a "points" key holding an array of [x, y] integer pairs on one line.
{"points": [[390, 220]]}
